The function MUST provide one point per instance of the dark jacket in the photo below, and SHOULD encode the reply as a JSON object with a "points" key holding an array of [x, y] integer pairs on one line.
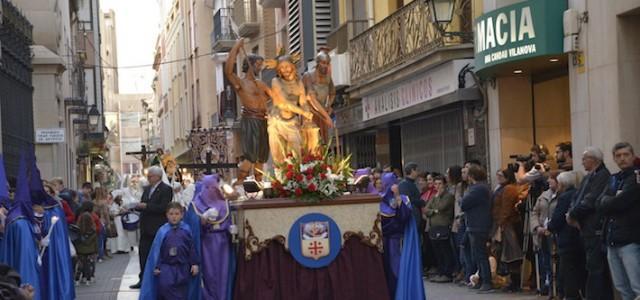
{"points": [[154, 215], [567, 237], [476, 205], [621, 207], [584, 204], [409, 188]]}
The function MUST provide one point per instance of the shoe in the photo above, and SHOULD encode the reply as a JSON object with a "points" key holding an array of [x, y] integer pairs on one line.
{"points": [[443, 279], [135, 286], [88, 283], [77, 282], [486, 289], [100, 260], [474, 287]]}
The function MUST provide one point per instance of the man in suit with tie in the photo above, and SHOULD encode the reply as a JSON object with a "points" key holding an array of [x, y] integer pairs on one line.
{"points": [[155, 199]]}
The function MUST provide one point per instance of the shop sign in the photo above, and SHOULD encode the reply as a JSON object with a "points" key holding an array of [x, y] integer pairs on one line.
{"points": [[437, 82], [519, 31], [49, 135]]}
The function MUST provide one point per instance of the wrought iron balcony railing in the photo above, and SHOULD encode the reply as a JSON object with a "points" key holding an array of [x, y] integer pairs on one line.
{"points": [[222, 38], [405, 34], [245, 15], [339, 38]]}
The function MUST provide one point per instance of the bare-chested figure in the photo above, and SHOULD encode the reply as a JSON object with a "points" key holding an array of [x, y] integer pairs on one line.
{"points": [[254, 95], [320, 89], [289, 102]]}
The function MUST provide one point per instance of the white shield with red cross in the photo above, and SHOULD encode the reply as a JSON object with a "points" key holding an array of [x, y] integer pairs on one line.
{"points": [[314, 237]]}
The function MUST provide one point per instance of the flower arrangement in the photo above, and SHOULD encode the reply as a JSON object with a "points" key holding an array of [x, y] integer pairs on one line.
{"points": [[312, 178]]}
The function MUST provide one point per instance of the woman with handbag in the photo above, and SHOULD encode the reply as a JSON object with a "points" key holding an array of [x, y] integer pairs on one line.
{"points": [[439, 214]]}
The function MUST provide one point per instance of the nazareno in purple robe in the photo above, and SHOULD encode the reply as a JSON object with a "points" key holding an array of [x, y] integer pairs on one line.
{"points": [[394, 221], [177, 255], [215, 243]]}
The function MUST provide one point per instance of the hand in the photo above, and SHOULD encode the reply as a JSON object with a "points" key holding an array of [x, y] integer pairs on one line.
{"points": [[28, 291], [157, 271], [542, 168], [45, 242], [572, 222], [194, 270], [540, 231], [241, 41], [547, 233], [141, 205], [308, 115]]}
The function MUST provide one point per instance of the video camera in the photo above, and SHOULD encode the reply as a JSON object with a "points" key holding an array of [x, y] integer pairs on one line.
{"points": [[528, 161]]}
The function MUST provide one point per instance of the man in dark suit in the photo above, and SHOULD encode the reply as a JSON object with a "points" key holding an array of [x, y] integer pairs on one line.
{"points": [[155, 199]]}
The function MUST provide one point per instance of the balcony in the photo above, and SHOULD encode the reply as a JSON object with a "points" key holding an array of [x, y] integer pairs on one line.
{"points": [[272, 3], [404, 35], [222, 38], [245, 15], [339, 38]]}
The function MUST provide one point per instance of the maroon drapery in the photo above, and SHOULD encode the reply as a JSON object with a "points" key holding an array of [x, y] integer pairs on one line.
{"points": [[357, 273]]}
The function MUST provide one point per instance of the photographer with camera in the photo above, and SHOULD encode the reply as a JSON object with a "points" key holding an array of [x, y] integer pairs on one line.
{"points": [[530, 174]]}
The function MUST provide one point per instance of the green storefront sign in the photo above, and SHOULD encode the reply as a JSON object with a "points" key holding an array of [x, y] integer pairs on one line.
{"points": [[520, 31]]}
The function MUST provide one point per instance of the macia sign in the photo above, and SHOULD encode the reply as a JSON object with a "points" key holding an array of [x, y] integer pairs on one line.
{"points": [[523, 30]]}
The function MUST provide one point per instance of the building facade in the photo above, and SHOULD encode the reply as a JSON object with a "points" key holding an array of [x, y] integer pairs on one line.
{"points": [[558, 71], [410, 96], [16, 88]]}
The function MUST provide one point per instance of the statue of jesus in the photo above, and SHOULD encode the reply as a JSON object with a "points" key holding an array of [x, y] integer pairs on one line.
{"points": [[289, 102]]}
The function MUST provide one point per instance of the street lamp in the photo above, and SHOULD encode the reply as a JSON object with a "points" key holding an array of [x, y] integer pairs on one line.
{"points": [[442, 11], [442, 15], [94, 116]]}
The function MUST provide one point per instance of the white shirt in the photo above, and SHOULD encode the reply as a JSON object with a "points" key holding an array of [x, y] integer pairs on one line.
{"points": [[153, 189]]}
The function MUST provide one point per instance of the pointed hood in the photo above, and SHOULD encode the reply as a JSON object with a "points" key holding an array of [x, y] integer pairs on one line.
{"points": [[22, 206], [4, 189], [38, 195], [388, 180]]}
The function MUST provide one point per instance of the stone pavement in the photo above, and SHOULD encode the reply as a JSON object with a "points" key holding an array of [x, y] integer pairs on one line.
{"points": [[113, 277], [449, 291]]}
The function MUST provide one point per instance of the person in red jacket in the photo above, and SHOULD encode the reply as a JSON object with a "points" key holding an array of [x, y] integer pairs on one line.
{"points": [[68, 212]]}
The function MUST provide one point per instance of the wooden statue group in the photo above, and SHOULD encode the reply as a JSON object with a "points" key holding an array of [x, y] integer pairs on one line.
{"points": [[298, 118]]}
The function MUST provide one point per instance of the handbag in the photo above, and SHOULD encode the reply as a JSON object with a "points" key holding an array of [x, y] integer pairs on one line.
{"points": [[112, 232], [439, 233]]}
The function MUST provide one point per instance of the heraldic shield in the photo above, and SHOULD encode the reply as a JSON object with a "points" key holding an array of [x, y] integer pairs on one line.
{"points": [[314, 239]]}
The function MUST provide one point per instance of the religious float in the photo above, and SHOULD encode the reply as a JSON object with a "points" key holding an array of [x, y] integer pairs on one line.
{"points": [[302, 226]]}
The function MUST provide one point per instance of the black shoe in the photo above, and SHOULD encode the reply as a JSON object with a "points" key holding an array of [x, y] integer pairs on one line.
{"points": [[135, 286], [486, 289]]}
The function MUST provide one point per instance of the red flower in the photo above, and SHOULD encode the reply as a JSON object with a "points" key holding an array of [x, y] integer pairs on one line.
{"points": [[289, 167], [298, 192], [289, 175], [289, 155], [324, 166], [299, 177], [323, 176], [312, 187], [309, 176], [309, 171]]}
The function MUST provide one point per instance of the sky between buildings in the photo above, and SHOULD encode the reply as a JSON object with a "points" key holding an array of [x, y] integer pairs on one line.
{"points": [[137, 28]]}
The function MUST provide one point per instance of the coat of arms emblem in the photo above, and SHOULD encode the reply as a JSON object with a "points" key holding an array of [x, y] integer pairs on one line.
{"points": [[314, 238]]}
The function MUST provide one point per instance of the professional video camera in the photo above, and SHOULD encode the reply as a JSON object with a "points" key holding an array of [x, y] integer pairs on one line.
{"points": [[527, 159]]}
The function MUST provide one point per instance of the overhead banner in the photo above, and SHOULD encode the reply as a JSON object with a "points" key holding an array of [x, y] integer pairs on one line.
{"points": [[519, 31]]}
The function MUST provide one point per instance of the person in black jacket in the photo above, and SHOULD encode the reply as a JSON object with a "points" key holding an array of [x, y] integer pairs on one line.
{"points": [[621, 208], [588, 219], [476, 205], [155, 199], [572, 272]]}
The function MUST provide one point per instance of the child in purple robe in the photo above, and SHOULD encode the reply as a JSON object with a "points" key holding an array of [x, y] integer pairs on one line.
{"points": [[172, 259]]}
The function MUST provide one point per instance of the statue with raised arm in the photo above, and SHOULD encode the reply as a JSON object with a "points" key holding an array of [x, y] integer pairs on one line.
{"points": [[254, 95], [289, 102], [321, 93]]}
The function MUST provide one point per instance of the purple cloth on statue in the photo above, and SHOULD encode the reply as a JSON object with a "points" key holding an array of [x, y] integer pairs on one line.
{"points": [[216, 245], [177, 255]]}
